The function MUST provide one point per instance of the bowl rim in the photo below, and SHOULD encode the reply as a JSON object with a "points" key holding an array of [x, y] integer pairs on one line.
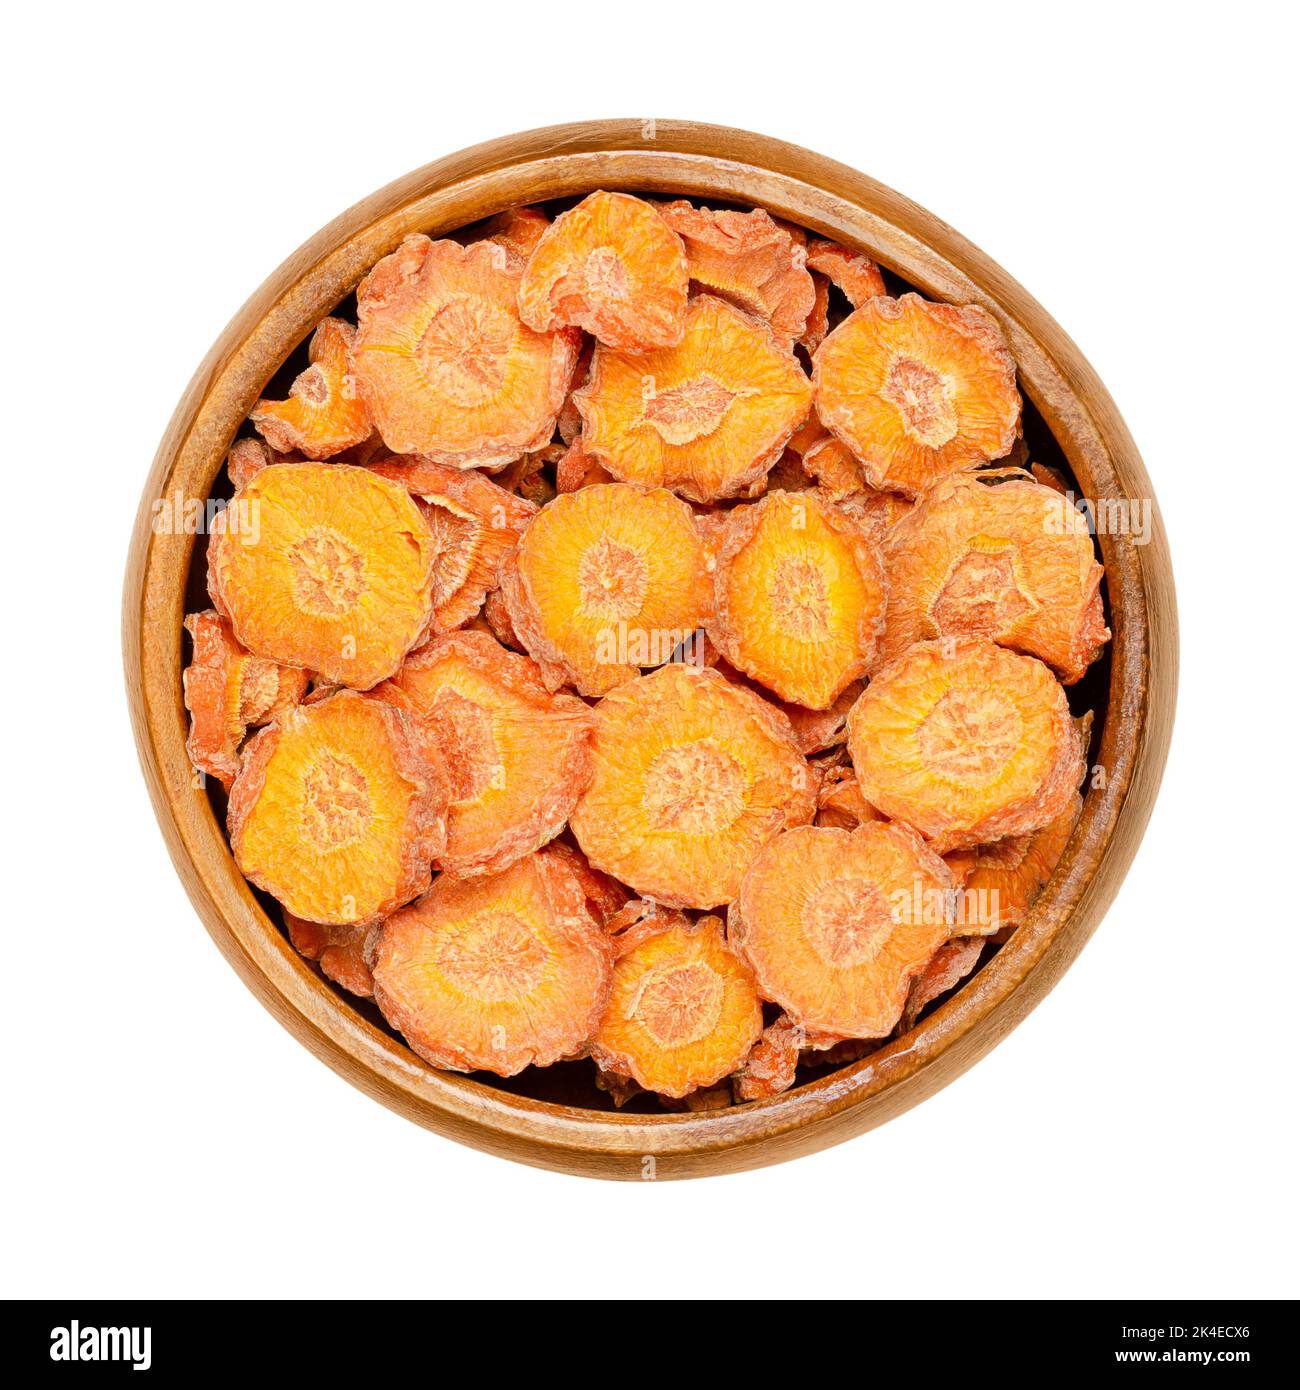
{"points": [[693, 160]]}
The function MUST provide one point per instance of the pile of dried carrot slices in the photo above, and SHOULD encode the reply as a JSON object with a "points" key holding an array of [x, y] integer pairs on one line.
{"points": [[642, 636]]}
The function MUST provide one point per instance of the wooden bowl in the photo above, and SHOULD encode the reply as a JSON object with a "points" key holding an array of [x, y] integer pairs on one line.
{"points": [[1069, 417]]}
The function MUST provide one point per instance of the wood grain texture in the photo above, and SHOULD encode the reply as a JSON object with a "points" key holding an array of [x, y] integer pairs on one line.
{"points": [[692, 160]]}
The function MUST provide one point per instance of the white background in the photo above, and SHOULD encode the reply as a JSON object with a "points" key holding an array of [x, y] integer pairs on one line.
{"points": [[1133, 166]]}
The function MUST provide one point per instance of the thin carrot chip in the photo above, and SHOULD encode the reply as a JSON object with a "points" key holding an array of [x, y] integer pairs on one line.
{"points": [[324, 413], [337, 812], [840, 802], [474, 522], [815, 730], [693, 776], [837, 924], [917, 390], [1001, 881], [748, 259], [966, 741], [569, 423], [1001, 557], [518, 230], [620, 1089], [831, 462], [857, 276], [229, 691], [339, 951], [447, 366], [948, 967], [613, 267], [772, 1062], [333, 578], [577, 469], [699, 1102], [496, 613], [1049, 477], [787, 474], [799, 598], [706, 418], [605, 581], [249, 456], [518, 757], [606, 897], [496, 973], [875, 511], [818, 323], [530, 475], [826, 1051], [682, 1011]]}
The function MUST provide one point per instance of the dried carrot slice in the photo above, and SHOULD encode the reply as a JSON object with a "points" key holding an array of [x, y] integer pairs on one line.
{"points": [[819, 730], [1006, 560], [340, 952], [917, 390], [799, 594], [518, 230], [699, 1102], [787, 474], [528, 476], [682, 1011], [1017, 456], [831, 462], [840, 802], [324, 413], [620, 1089], [249, 456], [707, 418], [693, 776], [966, 741], [577, 469], [857, 276], [612, 266], [816, 730], [229, 691], [607, 580], [837, 924], [474, 524], [447, 366], [1049, 477], [497, 616], [606, 897], [840, 1052], [1001, 881], [818, 323], [517, 756], [496, 973], [370, 450], [875, 511], [711, 523], [772, 1063], [948, 967], [811, 432], [749, 260], [569, 423], [634, 910], [346, 965], [335, 576], [336, 812]]}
